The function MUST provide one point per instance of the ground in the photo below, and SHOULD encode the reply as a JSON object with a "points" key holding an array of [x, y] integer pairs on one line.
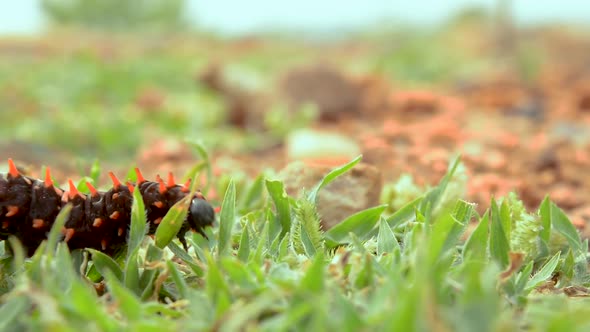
{"points": [[517, 115]]}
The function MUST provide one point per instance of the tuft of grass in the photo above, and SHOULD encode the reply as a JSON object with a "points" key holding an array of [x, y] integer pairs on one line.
{"points": [[270, 267]]}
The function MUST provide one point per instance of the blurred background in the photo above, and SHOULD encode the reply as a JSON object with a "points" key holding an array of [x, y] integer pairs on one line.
{"points": [[262, 84]]}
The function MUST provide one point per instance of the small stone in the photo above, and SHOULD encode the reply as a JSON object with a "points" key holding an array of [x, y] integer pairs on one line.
{"points": [[354, 191], [307, 144]]}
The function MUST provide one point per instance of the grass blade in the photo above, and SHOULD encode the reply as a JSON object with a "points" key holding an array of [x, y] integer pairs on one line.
{"points": [[138, 227], [278, 195], [360, 223], [332, 176], [227, 219]]}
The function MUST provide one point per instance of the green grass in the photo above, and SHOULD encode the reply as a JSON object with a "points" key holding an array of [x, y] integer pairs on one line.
{"points": [[269, 266]]}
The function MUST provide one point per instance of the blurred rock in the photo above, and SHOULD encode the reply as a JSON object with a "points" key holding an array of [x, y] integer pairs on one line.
{"points": [[329, 89], [352, 192], [307, 144], [244, 106]]}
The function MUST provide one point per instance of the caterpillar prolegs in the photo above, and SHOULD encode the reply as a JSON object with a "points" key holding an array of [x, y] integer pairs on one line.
{"points": [[99, 220]]}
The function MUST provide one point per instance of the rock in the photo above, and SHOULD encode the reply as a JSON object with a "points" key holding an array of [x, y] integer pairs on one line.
{"points": [[308, 144], [330, 90], [354, 191]]}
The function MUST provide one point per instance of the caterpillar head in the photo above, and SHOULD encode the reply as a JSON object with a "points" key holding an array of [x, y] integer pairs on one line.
{"points": [[200, 215]]}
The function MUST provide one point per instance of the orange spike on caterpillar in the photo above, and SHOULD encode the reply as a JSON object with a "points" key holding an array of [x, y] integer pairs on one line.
{"points": [[12, 170], [171, 182], [92, 189], [116, 182], [162, 184], [130, 187], [140, 178], [48, 181], [100, 219], [186, 187]]}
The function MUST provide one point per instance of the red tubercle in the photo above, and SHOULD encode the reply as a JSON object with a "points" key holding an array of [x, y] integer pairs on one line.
{"points": [[140, 178], [48, 182], [92, 189], [130, 186], [171, 182], [12, 170], [73, 190], [116, 182], [162, 184]]}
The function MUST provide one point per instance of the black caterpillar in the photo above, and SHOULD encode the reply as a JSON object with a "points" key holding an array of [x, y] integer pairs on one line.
{"points": [[100, 220]]}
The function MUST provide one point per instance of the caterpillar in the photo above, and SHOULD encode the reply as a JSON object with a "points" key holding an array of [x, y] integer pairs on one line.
{"points": [[99, 220]]}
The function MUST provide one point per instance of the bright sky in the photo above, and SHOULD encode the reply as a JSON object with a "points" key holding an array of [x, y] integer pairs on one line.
{"points": [[239, 16]]}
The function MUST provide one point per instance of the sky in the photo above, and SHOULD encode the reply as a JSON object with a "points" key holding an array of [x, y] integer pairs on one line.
{"points": [[242, 17]]}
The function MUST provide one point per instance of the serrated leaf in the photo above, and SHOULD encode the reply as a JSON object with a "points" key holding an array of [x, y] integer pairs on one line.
{"points": [[331, 176], [227, 219]]}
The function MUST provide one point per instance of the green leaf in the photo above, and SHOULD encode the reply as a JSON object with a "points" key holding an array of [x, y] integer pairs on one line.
{"points": [[360, 223], [313, 280], [202, 152], [131, 275], [138, 227], [105, 264], [279, 197], [95, 171], [477, 244], [499, 246], [447, 230], [178, 279], [227, 219], [545, 272], [216, 288], [55, 233], [432, 198], [405, 213], [244, 249], [386, 241], [545, 216], [506, 219], [127, 302], [563, 225], [11, 310], [254, 193], [172, 222], [186, 258], [312, 196]]}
